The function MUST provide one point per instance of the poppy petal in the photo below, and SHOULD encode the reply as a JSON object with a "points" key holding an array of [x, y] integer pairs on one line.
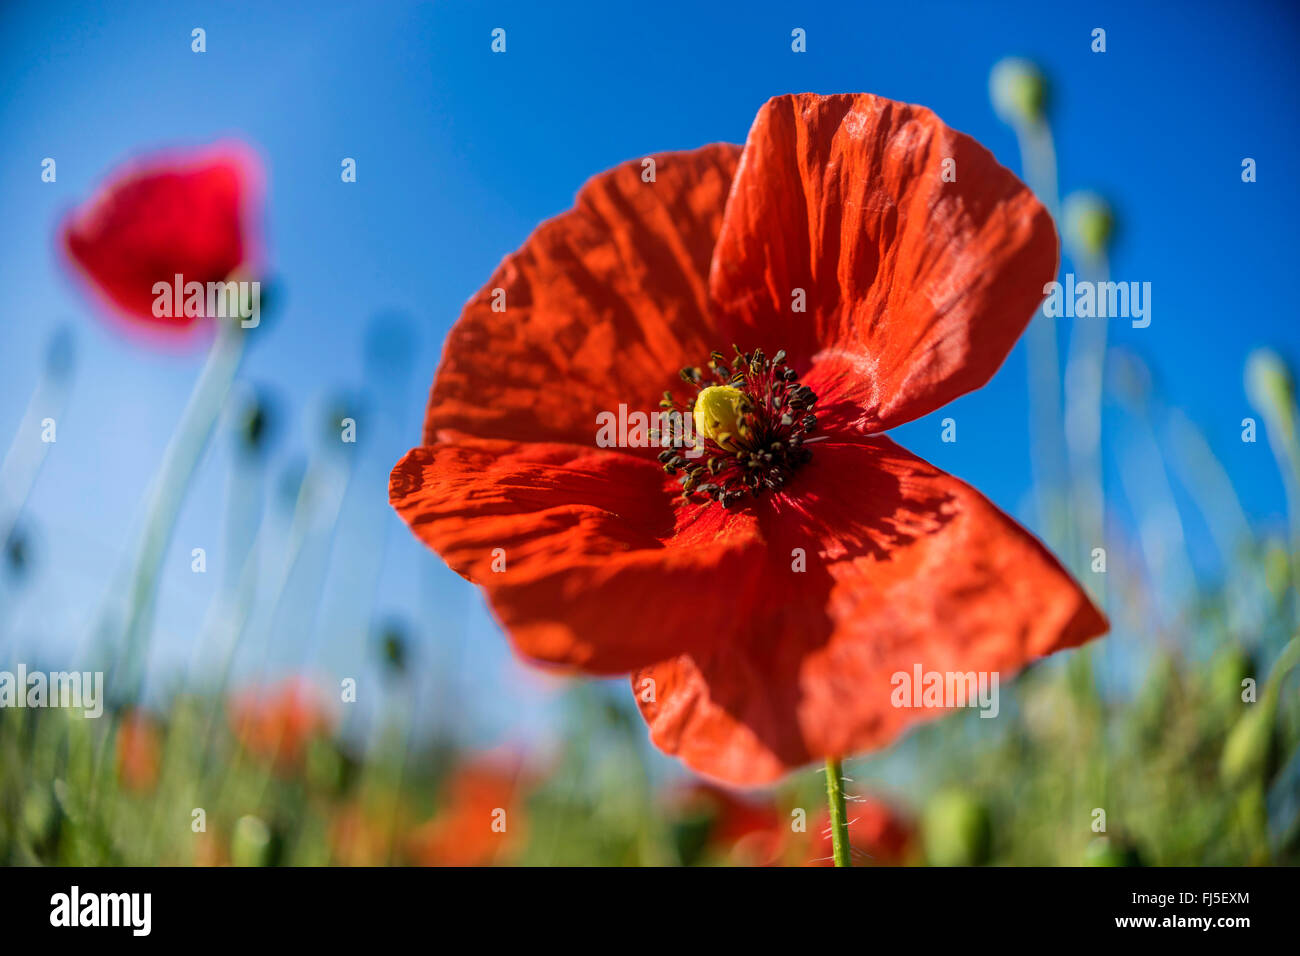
{"points": [[905, 566], [915, 288], [581, 552], [604, 304]]}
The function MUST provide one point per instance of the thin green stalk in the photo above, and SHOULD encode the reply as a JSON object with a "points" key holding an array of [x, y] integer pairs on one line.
{"points": [[22, 463], [1083, 401], [839, 816], [179, 463], [1038, 161], [167, 493]]}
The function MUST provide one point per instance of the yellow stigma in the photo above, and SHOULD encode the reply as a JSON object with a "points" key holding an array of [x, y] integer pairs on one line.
{"points": [[719, 414]]}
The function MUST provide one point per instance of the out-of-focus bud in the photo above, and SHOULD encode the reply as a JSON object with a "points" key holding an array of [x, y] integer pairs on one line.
{"points": [[1089, 225], [1271, 389], [1018, 91], [17, 551], [392, 647], [252, 843], [253, 421], [956, 830]]}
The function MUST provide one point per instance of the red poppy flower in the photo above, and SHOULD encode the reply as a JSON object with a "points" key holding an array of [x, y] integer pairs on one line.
{"points": [[185, 213], [139, 752], [878, 834], [763, 615], [480, 822], [278, 723], [741, 832]]}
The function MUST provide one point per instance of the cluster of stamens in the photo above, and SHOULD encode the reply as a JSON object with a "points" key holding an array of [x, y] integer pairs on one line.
{"points": [[752, 419]]}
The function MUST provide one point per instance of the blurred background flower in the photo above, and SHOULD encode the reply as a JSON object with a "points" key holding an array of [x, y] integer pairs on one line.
{"points": [[188, 213]]}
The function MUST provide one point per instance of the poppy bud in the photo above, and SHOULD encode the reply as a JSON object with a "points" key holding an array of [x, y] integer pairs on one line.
{"points": [[253, 843], [392, 647], [1018, 91], [252, 424], [1271, 388], [1089, 224], [719, 414], [956, 830], [16, 551]]}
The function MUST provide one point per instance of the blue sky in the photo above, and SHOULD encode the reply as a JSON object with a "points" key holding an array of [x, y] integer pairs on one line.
{"points": [[461, 153]]}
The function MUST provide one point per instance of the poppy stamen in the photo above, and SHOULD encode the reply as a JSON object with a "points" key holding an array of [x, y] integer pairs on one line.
{"points": [[752, 417]]}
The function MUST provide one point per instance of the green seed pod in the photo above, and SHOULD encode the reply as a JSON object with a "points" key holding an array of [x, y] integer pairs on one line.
{"points": [[393, 647], [1089, 225], [253, 421], [1018, 91], [1270, 387], [252, 843]]}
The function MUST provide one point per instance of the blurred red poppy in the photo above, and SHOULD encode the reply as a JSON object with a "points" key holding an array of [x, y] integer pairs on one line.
{"points": [[762, 613], [278, 723], [879, 834], [741, 832], [139, 752], [187, 213], [480, 821]]}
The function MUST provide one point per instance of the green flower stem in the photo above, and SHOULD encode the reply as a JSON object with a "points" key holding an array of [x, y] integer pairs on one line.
{"points": [[166, 495], [173, 479], [839, 818], [1038, 161]]}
